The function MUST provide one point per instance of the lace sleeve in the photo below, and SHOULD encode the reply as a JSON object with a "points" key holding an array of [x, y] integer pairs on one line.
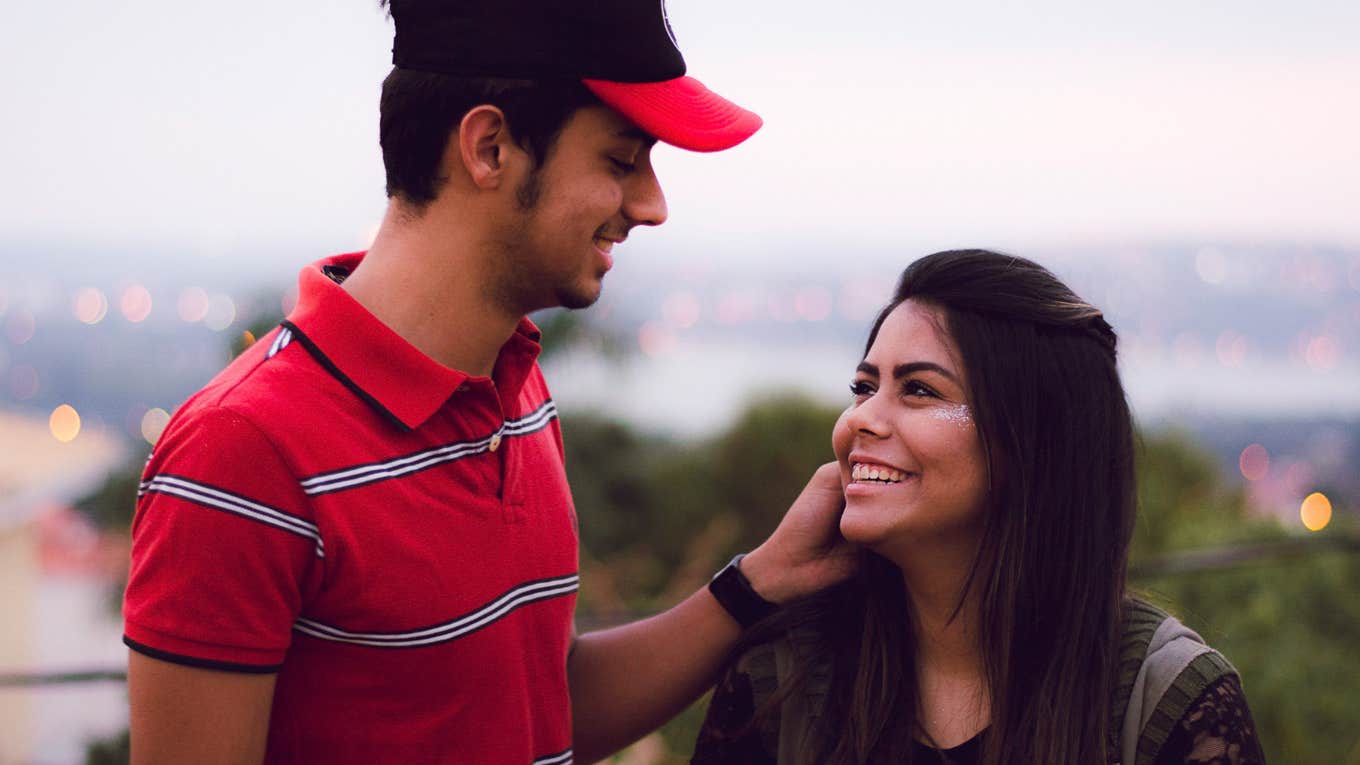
{"points": [[1217, 729], [728, 737]]}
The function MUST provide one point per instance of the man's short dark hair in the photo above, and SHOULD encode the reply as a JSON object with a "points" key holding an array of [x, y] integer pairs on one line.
{"points": [[419, 111]]}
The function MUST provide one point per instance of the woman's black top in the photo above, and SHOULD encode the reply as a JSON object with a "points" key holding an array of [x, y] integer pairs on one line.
{"points": [[1217, 729]]}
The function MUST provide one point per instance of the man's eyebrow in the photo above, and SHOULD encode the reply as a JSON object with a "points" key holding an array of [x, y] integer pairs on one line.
{"points": [[634, 133], [903, 370]]}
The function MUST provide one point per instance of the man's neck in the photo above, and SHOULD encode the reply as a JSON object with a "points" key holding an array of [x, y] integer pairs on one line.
{"points": [[426, 279]]}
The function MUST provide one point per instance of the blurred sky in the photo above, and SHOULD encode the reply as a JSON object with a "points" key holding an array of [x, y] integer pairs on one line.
{"points": [[245, 129]]}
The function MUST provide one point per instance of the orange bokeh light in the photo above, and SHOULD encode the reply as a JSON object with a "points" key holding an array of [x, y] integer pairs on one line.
{"points": [[64, 423], [1316, 511]]}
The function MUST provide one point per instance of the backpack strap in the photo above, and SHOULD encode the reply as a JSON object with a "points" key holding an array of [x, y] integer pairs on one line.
{"points": [[769, 666], [1164, 667]]}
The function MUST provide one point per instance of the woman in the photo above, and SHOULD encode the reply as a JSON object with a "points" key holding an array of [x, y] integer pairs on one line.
{"points": [[987, 462]]}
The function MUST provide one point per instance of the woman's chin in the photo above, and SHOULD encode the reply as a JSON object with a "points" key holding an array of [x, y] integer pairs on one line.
{"points": [[863, 526]]}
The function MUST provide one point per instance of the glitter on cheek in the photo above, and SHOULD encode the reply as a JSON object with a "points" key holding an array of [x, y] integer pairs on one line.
{"points": [[958, 414]]}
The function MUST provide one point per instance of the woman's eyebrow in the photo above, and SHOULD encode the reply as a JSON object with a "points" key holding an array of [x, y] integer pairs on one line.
{"points": [[904, 370]]}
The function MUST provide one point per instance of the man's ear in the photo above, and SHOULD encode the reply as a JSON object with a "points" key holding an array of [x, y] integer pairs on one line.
{"points": [[484, 145]]}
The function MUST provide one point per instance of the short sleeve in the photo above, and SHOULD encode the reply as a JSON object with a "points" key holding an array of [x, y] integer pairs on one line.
{"points": [[224, 545]]}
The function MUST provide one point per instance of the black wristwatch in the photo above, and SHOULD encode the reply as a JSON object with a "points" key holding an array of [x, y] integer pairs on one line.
{"points": [[734, 592]]}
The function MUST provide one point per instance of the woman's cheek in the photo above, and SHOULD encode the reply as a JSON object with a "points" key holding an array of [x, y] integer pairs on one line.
{"points": [[840, 438]]}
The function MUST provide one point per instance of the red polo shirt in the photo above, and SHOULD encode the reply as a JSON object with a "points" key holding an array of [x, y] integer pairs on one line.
{"points": [[394, 538]]}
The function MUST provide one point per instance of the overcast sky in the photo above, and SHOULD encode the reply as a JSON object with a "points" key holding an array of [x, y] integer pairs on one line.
{"points": [[238, 128]]}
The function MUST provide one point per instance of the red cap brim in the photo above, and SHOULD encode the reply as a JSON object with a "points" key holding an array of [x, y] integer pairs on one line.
{"points": [[681, 112]]}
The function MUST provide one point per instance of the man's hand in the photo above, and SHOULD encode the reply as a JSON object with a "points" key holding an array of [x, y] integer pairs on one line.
{"points": [[807, 552]]}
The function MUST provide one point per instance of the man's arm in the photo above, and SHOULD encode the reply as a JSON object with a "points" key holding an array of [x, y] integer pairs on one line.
{"points": [[628, 680], [184, 714]]}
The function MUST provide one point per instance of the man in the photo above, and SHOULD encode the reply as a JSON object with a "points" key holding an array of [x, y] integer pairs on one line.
{"points": [[357, 544]]}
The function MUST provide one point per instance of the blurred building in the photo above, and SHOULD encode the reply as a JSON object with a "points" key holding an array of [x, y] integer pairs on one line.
{"points": [[56, 573]]}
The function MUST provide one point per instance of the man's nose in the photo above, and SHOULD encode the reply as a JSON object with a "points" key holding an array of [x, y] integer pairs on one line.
{"points": [[645, 204]]}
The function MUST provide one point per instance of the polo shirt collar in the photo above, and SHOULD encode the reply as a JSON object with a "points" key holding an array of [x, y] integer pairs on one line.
{"points": [[376, 363]]}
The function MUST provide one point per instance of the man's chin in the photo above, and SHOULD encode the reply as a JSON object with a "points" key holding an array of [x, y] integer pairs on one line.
{"points": [[578, 298]]}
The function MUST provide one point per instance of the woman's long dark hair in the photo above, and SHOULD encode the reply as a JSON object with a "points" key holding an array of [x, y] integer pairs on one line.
{"points": [[1057, 435]]}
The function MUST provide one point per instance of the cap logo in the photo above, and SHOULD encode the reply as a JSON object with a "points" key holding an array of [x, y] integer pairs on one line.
{"points": [[666, 20]]}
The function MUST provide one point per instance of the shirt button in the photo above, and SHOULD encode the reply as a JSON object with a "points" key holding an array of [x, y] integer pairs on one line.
{"points": [[495, 442]]}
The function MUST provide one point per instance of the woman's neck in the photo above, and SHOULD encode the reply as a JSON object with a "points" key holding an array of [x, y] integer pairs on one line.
{"points": [[944, 617], [945, 629], [951, 673]]}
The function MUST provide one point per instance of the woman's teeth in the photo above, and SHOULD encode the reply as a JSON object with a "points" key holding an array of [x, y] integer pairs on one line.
{"points": [[861, 472]]}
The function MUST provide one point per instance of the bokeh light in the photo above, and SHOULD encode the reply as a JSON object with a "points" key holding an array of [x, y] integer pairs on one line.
{"points": [[221, 313], [813, 303], [23, 382], [90, 305], [860, 300], [1211, 266], [1322, 353], [680, 309], [736, 308], [20, 326], [1231, 348], [64, 423], [654, 339], [192, 304], [1297, 475], [1254, 462], [135, 303], [247, 339], [1316, 511], [153, 424]]}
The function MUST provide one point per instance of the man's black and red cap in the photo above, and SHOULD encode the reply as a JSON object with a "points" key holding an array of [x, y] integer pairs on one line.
{"points": [[622, 50]]}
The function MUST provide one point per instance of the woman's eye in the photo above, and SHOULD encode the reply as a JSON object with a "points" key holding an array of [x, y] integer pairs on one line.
{"points": [[861, 388], [914, 388], [622, 166]]}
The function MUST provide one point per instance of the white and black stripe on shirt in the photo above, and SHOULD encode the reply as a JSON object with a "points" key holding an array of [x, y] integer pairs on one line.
{"points": [[481, 617], [362, 475], [216, 498], [285, 337]]}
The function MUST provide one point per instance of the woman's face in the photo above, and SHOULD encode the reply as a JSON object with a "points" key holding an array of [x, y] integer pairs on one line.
{"points": [[911, 462]]}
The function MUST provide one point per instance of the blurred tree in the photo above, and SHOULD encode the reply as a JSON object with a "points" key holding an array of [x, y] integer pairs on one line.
{"points": [[109, 751], [661, 516], [658, 517], [567, 330], [1290, 625], [111, 505]]}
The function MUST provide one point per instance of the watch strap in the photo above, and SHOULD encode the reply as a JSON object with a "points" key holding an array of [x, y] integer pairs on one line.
{"points": [[734, 593]]}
